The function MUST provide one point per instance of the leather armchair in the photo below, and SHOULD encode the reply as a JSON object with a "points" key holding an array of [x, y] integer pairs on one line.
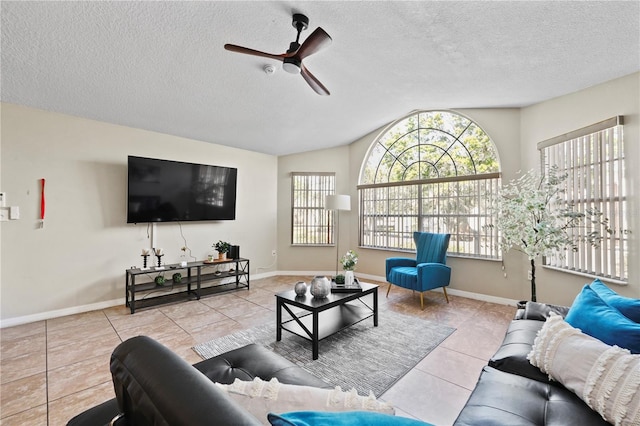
{"points": [[427, 271]]}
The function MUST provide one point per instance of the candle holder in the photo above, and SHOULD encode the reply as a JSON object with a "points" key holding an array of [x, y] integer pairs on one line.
{"points": [[144, 261], [159, 256]]}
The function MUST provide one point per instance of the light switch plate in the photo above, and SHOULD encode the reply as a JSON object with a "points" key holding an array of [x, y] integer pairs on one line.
{"points": [[14, 212]]}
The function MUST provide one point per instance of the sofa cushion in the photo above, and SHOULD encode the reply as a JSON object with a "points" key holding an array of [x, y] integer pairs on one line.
{"points": [[348, 418], [251, 361], [606, 377], [261, 397], [627, 306], [511, 357], [594, 317], [503, 399]]}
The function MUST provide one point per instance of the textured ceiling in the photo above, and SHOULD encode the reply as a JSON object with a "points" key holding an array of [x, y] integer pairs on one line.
{"points": [[161, 66]]}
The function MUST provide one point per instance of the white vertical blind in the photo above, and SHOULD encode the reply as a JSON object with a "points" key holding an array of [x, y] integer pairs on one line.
{"points": [[311, 223], [593, 159]]}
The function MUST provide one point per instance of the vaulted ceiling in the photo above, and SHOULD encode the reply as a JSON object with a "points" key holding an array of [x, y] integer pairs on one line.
{"points": [[161, 66]]}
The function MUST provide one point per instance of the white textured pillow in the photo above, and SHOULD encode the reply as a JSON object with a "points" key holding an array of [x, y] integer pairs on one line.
{"points": [[606, 378], [260, 398]]}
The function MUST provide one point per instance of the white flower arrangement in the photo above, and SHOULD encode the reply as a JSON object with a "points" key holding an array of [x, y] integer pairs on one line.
{"points": [[349, 260]]}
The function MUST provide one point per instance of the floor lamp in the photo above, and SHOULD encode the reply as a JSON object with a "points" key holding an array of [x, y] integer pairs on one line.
{"points": [[337, 203]]}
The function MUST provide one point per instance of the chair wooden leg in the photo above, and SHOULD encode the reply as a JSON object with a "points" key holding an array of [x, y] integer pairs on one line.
{"points": [[421, 301], [388, 288], [445, 294]]}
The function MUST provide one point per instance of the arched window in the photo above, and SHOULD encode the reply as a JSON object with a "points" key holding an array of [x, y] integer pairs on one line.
{"points": [[432, 171]]}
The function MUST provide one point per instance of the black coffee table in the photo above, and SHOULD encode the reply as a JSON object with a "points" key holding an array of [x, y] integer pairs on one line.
{"points": [[323, 317]]}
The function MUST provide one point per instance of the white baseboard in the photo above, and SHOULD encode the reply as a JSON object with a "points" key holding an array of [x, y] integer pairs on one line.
{"points": [[26, 319], [452, 291], [482, 297], [10, 322]]}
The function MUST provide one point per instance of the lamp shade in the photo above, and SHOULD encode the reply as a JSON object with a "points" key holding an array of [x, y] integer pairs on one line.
{"points": [[337, 202]]}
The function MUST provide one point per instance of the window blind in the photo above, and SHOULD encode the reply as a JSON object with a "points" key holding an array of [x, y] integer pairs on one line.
{"points": [[594, 160]]}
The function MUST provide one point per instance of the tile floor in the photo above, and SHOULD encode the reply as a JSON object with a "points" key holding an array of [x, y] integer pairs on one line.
{"points": [[52, 370]]}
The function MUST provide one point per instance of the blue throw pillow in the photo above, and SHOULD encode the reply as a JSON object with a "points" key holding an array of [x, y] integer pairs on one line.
{"points": [[594, 317], [343, 418], [629, 307]]}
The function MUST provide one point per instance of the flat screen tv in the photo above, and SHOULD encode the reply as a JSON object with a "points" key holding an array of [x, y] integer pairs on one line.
{"points": [[173, 191]]}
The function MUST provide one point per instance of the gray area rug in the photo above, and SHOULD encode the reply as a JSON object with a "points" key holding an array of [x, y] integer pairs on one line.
{"points": [[362, 356]]}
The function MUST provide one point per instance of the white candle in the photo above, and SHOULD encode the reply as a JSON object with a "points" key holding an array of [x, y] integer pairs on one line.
{"points": [[145, 252], [158, 252]]}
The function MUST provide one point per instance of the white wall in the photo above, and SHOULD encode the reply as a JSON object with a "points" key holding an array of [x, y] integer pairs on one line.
{"points": [[318, 259], [79, 259], [558, 116]]}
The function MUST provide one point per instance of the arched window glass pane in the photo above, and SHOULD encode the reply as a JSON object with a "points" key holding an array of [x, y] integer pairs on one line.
{"points": [[434, 171]]}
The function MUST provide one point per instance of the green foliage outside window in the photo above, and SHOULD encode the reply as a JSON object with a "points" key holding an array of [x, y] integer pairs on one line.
{"points": [[450, 169]]}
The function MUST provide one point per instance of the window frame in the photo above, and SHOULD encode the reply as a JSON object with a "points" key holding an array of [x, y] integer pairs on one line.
{"points": [[378, 231], [312, 212]]}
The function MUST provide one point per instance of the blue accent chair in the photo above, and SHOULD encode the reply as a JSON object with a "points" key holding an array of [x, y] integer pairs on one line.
{"points": [[427, 271]]}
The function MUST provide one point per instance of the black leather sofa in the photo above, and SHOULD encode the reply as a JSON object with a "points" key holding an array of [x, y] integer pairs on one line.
{"points": [[512, 392], [154, 386]]}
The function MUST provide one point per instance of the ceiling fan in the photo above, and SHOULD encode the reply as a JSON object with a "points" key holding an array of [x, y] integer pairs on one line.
{"points": [[292, 59]]}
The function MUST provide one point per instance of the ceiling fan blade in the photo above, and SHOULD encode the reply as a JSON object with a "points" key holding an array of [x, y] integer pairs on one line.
{"points": [[247, 51], [313, 81], [316, 41]]}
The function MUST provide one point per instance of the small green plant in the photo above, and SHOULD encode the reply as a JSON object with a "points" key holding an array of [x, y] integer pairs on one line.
{"points": [[222, 247], [339, 279], [159, 280], [177, 277]]}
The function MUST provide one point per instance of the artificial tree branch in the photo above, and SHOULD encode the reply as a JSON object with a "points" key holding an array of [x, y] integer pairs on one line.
{"points": [[534, 220]]}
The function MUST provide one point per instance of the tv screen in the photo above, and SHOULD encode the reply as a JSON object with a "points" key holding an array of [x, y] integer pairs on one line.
{"points": [[168, 191]]}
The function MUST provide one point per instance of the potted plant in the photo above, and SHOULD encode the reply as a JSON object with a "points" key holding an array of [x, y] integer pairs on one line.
{"points": [[533, 218], [222, 247]]}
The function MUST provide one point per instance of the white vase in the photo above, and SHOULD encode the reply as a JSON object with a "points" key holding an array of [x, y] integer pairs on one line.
{"points": [[348, 278]]}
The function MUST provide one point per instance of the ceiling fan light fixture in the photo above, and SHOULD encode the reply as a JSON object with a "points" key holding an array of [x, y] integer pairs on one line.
{"points": [[291, 66]]}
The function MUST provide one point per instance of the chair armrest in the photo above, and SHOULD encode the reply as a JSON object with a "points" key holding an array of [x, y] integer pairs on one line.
{"points": [[153, 385], [393, 262], [434, 274]]}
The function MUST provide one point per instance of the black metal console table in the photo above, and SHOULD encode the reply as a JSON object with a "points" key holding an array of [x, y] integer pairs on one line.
{"points": [[202, 278]]}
